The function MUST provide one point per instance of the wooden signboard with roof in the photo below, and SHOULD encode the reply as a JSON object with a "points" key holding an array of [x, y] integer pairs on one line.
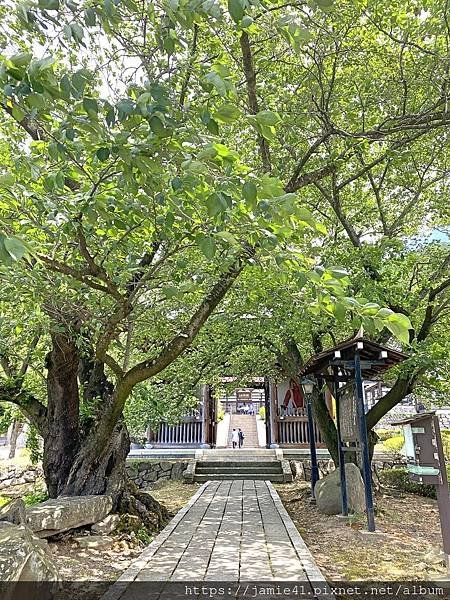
{"points": [[343, 368]]}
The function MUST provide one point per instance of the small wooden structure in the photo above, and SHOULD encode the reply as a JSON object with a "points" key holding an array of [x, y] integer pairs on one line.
{"points": [[425, 462], [343, 368]]}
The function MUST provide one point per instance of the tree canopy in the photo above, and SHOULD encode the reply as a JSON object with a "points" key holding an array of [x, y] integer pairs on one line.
{"points": [[188, 187]]}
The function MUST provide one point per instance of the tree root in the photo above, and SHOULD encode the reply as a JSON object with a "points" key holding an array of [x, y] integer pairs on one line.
{"points": [[133, 501]]}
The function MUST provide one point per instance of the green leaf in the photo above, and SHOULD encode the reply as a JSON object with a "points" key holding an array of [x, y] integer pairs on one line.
{"points": [[337, 272], [398, 324], [249, 192], [324, 4], [299, 34], [399, 331], [49, 4], [36, 101], [157, 126], [15, 248], [194, 166], [267, 131], [21, 59], [59, 180], [5, 257], [103, 154], [268, 117], [207, 245], [77, 31], [236, 10], [110, 117], [207, 152], [227, 113], [216, 204], [44, 64], [170, 292], [339, 311], [125, 106], [90, 106], [79, 81], [90, 17], [228, 237], [17, 113], [213, 127], [176, 183], [384, 313], [169, 45], [6, 180], [217, 81], [370, 308]]}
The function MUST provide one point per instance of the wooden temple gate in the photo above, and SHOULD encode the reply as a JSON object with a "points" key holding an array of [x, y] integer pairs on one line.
{"points": [[286, 424]]}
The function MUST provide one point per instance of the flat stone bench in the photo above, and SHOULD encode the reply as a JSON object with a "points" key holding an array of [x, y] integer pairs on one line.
{"points": [[64, 513]]}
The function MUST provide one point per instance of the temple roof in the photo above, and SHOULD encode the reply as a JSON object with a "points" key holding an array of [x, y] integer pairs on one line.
{"points": [[375, 358]]}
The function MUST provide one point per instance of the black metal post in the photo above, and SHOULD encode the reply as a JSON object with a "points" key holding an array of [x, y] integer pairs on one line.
{"points": [[367, 474], [344, 498], [312, 447]]}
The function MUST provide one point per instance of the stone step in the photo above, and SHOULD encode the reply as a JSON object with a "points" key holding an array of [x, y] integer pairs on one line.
{"points": [[276, 478], [239, 470], [247, 423], [239, 456], [236, 464], [226, 454]]}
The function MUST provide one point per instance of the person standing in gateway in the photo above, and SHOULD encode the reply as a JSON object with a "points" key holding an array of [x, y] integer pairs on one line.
{"points": [[241, 437], [234, 438]]}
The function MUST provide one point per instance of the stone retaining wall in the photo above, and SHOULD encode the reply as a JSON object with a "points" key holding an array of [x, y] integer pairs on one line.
{"points": [[301, 468], [17, 475], [147, 472]]}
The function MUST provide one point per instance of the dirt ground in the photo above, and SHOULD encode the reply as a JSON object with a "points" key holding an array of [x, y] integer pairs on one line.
{"points": [[409, 549], [91, 571]]}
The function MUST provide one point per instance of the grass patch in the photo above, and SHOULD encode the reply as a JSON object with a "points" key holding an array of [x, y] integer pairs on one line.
{"points": [[35, 497], [4, 500]]}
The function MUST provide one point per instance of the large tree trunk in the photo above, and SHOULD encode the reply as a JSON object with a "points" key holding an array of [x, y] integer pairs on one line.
{"points": [[61, 442], [326, 426], [99, 466], [96, 471], [90, 460]]}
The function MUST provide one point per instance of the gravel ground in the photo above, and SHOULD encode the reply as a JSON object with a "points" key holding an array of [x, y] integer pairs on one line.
{"points": [[409, 549]]}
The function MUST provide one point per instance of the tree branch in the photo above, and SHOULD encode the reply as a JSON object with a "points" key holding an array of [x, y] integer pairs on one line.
{"points": [[30, 407], [150, 367], [250, 77]]}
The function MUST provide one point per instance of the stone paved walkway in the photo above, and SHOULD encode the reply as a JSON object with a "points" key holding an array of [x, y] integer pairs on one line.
{"points": [[230, 531]]}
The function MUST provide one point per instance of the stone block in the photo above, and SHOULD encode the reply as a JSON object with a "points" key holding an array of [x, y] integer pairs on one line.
{"points": [[93, 541], [24, 557], [106, 525], [328, 491], [165, 465], [65, 513], [13, 512]]}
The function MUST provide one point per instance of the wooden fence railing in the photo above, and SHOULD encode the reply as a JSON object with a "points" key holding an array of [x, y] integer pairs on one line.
{"points": [[292, 428], [189, 432]]}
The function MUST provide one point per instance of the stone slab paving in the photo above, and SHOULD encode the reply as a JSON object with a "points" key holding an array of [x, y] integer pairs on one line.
{"points": [[230, 531]]}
